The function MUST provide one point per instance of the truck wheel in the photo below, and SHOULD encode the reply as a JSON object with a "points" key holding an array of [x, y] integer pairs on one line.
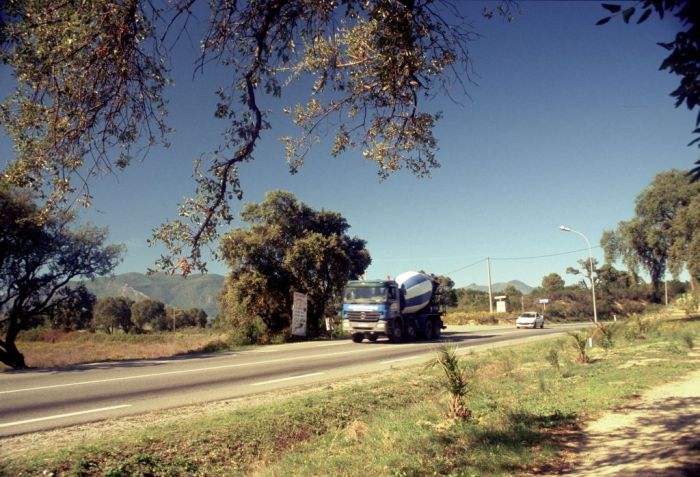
{"points": [[396, 332], [411, 331], [437, 329], [358, 337], [372, 338], [429, 329]]}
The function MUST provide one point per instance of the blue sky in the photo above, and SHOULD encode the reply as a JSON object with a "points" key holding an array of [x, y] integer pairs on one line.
{"points": [[566, 124]]}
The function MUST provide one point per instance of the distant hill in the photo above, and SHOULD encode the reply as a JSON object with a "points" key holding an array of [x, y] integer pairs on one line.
{"points": [[500, 286], [195, 291]]}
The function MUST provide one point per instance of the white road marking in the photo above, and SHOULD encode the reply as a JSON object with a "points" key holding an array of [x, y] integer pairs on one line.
{"points": [[402, 359], [364, 349], [59, 416], [296, 345], [286, 379]]}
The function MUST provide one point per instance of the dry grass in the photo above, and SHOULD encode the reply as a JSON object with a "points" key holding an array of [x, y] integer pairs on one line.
{"points": [[62, 349]]}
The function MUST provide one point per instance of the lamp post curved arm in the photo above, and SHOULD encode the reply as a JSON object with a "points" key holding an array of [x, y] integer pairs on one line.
{"points": [[564, 228]]}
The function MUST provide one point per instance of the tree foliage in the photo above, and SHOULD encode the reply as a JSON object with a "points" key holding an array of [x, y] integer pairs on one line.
{"points": [[553, 282], [684, 50], [113, 313], [287, 247], [92, 75], [663, 231], [74, 312], [446, 294], [585, 271], [38, 259], [149, 313]]}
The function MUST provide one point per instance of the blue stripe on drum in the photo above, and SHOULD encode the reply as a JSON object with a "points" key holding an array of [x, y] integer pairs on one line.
{"points": [[414, 280], [418, 300]]}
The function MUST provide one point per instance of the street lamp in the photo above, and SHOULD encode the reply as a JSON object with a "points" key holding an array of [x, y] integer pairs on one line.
{"points": [[564, 228]]}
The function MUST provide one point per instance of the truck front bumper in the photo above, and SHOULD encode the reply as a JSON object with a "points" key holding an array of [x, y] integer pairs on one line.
{"points": [[374, 327]]}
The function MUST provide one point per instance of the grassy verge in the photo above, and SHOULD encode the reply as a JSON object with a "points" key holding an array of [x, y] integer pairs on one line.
{"points": [[57, 348], [523, 401]]}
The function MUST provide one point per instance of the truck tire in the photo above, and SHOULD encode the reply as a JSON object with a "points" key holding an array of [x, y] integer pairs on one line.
{"points": [[411, 331], [358, 337], [437, 329], [396, 335], [429, 330], [372, 338]]}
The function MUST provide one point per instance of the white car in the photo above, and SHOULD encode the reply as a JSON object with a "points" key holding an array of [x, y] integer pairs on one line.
{"points": [[530, 319]]}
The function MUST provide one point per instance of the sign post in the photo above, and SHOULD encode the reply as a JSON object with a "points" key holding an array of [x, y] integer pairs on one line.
{"points": [[543, 302], [299, 314]]}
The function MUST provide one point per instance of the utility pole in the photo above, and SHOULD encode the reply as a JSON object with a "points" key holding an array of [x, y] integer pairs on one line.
{"points": [[488, 268]]}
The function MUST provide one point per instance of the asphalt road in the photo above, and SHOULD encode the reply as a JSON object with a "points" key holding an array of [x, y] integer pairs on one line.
{"points": [[38, 400]]}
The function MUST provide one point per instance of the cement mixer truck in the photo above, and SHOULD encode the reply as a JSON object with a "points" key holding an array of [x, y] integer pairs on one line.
{"points": [[402, 309]]}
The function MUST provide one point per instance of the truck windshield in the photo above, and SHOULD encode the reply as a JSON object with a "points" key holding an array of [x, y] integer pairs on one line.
{"points": [[365, 294]]}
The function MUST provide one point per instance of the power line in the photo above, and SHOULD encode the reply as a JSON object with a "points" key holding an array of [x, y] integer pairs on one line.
{"points": [[533, 257], [466, 266], [545, 256]]}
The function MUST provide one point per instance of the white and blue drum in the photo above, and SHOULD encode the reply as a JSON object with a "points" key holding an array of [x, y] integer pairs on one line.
{"points": [[418, 290]]}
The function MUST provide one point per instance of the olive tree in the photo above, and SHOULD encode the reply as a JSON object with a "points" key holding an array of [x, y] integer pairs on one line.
{"points": [[38, 260], [92, 78], [287, 247]]}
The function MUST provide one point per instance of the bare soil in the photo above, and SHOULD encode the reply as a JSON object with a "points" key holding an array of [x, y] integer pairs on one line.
{"points": [[656, 435]]}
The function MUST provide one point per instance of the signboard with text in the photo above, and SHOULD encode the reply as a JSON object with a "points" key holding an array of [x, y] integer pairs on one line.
{"points": [[299, 314]]}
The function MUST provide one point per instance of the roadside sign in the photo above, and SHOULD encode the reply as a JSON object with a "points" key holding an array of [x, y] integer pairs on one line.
{"points": [[544, 301], [299, 314]]}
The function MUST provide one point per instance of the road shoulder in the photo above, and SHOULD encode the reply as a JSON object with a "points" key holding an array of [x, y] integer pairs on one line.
{"points": [[656, 435]]}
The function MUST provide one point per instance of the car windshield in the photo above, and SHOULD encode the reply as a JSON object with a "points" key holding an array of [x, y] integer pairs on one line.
{"points": [[529, 315], [365, 294]]}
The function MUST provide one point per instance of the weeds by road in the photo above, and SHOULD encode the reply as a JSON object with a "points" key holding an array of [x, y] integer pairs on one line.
{"points": [[51, 348], [526, 403]]}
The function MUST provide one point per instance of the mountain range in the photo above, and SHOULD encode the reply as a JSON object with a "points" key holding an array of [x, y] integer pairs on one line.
{"points": [[195, 291], [201, 291], [523, 288]]}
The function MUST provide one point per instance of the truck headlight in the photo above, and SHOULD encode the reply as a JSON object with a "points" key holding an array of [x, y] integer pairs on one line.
{"points": [[380, 325]]}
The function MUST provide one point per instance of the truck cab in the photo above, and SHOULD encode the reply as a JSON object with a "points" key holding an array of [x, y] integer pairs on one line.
{"points": [[369, 308]]}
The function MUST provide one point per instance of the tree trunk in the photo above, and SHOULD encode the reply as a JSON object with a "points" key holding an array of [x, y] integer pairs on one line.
{"points": [[10, 355]]}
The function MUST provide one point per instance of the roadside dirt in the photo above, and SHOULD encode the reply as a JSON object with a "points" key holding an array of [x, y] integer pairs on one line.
{"points": [[656, 435]]}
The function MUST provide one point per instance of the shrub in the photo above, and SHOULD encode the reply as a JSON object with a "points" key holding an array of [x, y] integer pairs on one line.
{"points": [[605, 334], [475, 317], [553, 358], [253, 332], [580, 342], [688, 340], [455, 381]]}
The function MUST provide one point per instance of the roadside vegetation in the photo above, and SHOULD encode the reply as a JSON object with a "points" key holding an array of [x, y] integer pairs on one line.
{"points": [[518, 406], [46, 347]]}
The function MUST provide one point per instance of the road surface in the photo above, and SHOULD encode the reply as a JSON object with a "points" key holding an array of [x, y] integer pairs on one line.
{"points": [[38, 400]]}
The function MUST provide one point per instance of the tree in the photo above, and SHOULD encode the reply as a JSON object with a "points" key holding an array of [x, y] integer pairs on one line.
{"points": [[553, 283], [685, 251], [585, 271], [288, 247], [199, 317], [447, 296], [148, 313], [513, 297], [112, 313], [472, 300], [75, 311], [661, 232], [38, 259], [91, 78], [684, 56]]}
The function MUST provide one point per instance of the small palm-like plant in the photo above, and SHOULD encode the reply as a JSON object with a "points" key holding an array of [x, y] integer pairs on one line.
{"points": [[580, 342], [455, 382]]}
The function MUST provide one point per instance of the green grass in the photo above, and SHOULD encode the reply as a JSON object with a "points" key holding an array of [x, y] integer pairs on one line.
{"points": [[395, 424]]}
